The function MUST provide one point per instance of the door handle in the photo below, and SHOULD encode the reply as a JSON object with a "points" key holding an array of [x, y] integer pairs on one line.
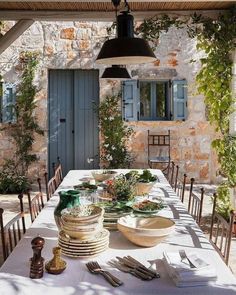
{"points": [[62, 120], [90, 160]]}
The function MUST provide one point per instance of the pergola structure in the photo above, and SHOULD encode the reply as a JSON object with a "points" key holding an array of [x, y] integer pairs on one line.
{"points": [[26, 12]]}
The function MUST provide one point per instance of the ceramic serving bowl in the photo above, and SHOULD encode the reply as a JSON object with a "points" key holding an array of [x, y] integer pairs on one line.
{"points": [[101, 175], [82, 214], [146, 232], [143, 188], [82, 226], [82, 233], [82, 222]]}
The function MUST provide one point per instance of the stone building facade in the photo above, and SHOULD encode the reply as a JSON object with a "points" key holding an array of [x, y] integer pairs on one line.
{"points": [[75, 45]]}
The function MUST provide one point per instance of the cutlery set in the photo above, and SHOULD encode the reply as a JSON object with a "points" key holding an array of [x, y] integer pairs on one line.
{"points": [[130, 265], [126, 264]]}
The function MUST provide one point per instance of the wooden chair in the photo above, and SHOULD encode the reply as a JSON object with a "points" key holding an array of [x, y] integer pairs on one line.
{"points": [[221, 232], [50, 186], [180, 185], [36, 203], [58, 176], [195, 205], [170, 176], [159, 145], [176, 177], [12, 232]]}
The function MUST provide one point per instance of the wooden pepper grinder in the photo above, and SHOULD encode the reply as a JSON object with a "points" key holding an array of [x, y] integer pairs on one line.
{"points": [[37, 261]]}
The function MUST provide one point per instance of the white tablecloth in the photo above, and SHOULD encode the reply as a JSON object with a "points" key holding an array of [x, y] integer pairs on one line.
{"points": [[14, 274]]}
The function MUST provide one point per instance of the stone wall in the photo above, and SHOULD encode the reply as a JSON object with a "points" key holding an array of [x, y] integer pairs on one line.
{"points": [[75, 45]]}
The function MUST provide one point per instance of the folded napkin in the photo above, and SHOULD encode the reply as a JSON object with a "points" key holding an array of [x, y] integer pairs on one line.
{"points": [[185, 276]]}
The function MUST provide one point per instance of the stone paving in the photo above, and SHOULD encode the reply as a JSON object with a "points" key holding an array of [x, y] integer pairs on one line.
{"points": [[10, 204]]}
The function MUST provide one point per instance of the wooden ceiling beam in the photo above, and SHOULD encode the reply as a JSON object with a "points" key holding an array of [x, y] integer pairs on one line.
{"points": [[137, 1], [15, 32], [55, 15]]}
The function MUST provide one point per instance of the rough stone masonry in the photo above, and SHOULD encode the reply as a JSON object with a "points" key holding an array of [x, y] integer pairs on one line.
{"points": [[75, 45]]}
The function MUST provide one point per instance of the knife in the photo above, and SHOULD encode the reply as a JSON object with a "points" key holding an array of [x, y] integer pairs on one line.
{"points": [[153, 272], [135, 266]]}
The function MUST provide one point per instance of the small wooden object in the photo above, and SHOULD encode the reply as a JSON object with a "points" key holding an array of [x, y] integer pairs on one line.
{"points": [[56, 265], [37, 261]]}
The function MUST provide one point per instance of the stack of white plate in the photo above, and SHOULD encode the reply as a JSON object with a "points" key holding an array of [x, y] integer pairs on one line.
{"points": [[84, 248]]}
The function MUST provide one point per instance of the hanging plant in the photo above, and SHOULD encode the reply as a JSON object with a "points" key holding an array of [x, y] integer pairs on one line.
{"points": [[14, 174], [115, 134], [217, 39]]}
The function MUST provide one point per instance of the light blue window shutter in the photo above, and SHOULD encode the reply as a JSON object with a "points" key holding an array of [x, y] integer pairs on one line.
{"points": [[179, 99], [130, 101], [8, 102]]}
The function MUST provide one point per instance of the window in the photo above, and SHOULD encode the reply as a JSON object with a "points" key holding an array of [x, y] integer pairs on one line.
{"points": [[7, 99], [154, 100]]}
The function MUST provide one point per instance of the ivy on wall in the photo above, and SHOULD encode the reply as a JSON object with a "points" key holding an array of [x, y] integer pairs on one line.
{"points": [[217, 38]]}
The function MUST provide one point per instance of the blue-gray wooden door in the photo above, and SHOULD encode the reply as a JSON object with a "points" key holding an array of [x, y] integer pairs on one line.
{"points": [[72, 119]]}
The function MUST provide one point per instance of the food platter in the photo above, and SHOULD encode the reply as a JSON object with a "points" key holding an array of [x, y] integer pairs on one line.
{"points": [[148, 207]]}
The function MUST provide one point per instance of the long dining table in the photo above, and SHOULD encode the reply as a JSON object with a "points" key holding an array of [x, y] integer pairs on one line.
{"points": [[14, 273]]}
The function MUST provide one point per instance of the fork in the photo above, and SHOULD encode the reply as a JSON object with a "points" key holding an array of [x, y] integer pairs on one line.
{"points": [[127, 269], [95, 268], [184, 258]]}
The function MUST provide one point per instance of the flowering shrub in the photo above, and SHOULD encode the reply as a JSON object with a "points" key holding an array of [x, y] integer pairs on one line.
{"points": [[115, 134], [11, 181]]}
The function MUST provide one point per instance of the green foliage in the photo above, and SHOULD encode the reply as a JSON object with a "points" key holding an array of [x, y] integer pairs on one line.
{"points": [[24, 129], [11, 181], [223, 204], [217, 39], [152, 28], [122, 188], [115, 134], [147, 176], [23, 132]]}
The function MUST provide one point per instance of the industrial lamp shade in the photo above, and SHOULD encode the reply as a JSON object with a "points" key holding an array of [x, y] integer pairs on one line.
{"points": [[125, 49], [116, 72]]}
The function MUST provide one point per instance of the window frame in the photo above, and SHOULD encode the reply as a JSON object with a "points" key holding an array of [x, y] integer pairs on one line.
{"points": [[177, 100], [168, 100]]}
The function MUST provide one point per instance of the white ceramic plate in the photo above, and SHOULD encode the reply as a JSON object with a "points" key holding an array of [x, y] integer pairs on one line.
{"points": [[82, 255], [100, 236], [85, 250], [83, 247]]}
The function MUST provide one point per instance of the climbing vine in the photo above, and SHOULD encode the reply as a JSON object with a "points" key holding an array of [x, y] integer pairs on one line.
{"points": [[217, 38], [13, 175], [115, 134]]}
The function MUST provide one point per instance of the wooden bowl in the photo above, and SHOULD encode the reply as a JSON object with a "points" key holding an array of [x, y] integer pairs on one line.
{"points": [[145, 232]]}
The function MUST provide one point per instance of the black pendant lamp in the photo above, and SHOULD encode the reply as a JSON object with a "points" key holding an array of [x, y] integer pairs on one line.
{"points": [[116, 72], [125, 49]]}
